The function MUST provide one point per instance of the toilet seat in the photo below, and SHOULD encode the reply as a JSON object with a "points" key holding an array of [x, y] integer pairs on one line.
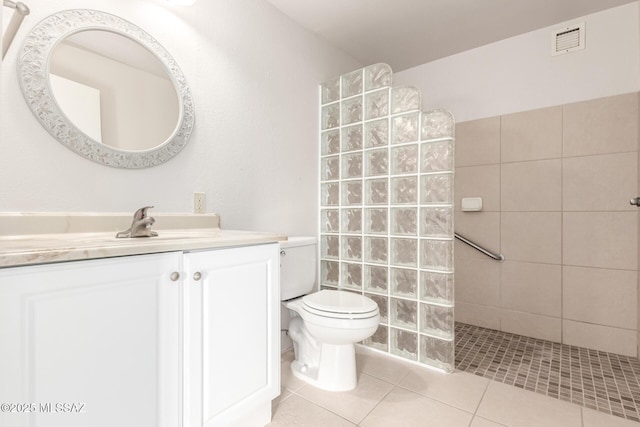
{"points": [[339, 305]]}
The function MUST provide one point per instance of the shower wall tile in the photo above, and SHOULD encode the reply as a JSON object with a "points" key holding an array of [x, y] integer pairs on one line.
{"points": [[478, 142], [598, 337], [531, 186], [476, 314], [479, 181], [532, 288], [600, 183], [532, 135], [601, 296], [605, 125], [601, 239], [532, 236], [531, 325], [477, 281]]}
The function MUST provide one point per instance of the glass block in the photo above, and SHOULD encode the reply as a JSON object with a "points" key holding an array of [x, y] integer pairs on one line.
{"points": [[438, 353], [405, 128], [404, 252], [404, 221], [437, 321], [404, 283], [352, 248], [351, 275], [436, 287], [330, 220], [376, 104], [331, 116], [436, 188], [404, 190], [375, 221], [377, 162], [352, 220], [352, 110], [330, 194], [331, 90], [352, 83], [404, 344], [436, 222], [404, 159], [377, 191], [375, 250], [376, 133], [330, 247], [404, 313], [329, 272], [351, 192], [375, 279], [404, 98], [352, 138], [330, 168], [328, 287], [377, 76], [437, 255], [352, 165], [379, 339], [330, 142], [381, 300], [437, 156], [437, 124]]}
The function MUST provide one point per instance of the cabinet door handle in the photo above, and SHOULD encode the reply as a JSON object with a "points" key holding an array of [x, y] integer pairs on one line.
{"points": [[174, 276], [197, 276]]}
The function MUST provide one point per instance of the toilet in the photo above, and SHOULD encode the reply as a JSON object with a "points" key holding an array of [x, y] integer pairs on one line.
{"points": [[324, 325]]}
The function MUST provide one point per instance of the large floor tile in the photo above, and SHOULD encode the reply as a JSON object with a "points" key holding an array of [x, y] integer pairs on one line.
{"points": [[591, 418], [296, 412], [458, 389], [381, 366], [521, 408], [482, 422], [408, 409], [353, 405]]}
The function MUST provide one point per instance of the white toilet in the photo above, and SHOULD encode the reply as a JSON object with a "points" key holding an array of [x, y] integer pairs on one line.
{"points": [[324, 325]]}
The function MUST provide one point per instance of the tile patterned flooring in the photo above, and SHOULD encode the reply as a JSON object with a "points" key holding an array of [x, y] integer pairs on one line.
{"points": [[395, 393], [603, 381]]}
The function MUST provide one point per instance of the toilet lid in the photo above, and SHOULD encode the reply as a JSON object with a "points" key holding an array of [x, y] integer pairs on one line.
{"points": [[339, 302]]}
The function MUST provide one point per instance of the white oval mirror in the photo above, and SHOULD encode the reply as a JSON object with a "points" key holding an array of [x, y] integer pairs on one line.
{"points": [[106, 89]]}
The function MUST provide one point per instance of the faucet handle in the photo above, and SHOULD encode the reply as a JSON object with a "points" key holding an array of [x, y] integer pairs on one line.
{"points": [[142, 212]]}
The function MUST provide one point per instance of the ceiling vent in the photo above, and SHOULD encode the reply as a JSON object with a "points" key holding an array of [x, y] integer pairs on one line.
{"points": [[567, 39]]}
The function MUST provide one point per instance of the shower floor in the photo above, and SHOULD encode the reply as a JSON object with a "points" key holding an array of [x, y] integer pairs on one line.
{"points": [[602, 381]]}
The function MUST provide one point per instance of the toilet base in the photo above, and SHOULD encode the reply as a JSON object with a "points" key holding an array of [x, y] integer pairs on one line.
{"points": [[335, 372]]}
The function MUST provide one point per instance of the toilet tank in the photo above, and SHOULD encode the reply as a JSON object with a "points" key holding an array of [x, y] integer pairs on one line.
{"points": [[297, 267]]}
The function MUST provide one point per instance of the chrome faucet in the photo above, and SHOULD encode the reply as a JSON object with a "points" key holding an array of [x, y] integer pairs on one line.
{"points": [[141, 225]]}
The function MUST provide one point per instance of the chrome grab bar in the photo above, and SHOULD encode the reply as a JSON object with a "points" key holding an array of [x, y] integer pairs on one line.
{"points": [[497, 257]]}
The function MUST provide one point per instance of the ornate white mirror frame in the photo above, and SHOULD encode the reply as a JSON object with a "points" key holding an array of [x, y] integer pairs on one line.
{"points": [[33, 71]]}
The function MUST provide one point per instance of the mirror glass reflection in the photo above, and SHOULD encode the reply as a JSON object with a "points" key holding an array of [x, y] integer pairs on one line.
{"points": [[114, 90]]}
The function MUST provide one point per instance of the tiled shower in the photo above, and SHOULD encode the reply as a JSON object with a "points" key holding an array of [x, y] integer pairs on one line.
{"points": [[386, 210]]}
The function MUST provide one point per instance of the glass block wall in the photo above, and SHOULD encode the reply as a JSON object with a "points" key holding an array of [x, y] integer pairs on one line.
{"points": [[386, 210]]}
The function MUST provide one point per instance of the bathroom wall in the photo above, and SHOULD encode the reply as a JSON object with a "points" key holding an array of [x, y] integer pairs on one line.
{"points": [[254, 76], [551, 144]]}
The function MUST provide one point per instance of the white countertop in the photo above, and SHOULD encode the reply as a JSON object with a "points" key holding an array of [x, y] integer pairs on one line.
{"points": [[29, 249]]}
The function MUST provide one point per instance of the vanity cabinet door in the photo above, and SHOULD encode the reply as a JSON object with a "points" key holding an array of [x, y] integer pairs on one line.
{"points": [[91, 343], [234, 349]]}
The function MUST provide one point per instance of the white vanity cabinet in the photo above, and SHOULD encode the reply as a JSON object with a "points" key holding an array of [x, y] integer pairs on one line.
{"points": [[234, 331], [179, 339], [103, 335]]}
